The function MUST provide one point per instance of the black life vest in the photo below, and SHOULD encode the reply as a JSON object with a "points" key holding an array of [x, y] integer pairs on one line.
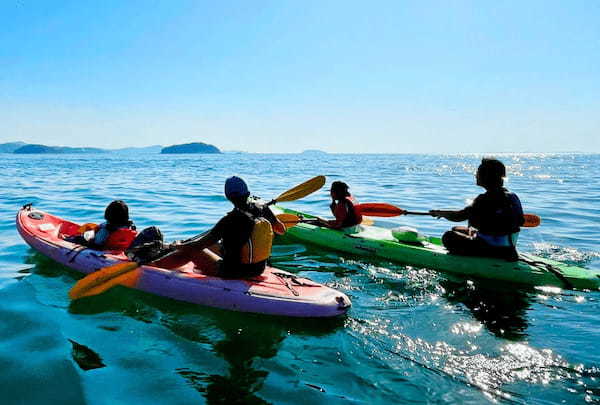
{"points": [[497, 213]]}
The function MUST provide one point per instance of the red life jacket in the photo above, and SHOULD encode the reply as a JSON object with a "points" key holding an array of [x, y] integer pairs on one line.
{"points": [[353, 216], [120, 239]]}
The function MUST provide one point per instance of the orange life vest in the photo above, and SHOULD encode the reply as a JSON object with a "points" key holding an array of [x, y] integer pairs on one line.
{"points": [[120, 239], [258, 247], [353, 217]]}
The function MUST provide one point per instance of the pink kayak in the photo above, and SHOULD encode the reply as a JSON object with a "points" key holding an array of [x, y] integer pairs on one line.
{"points": [[275, 292]]}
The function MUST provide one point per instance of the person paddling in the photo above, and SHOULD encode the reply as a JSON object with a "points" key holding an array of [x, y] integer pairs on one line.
{"points": [[245, 235], [343, 208], [495, 218]]}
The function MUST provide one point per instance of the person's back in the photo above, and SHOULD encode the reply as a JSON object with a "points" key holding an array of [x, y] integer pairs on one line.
{"points": [[497, 215], [245, 247], [118, 231]]}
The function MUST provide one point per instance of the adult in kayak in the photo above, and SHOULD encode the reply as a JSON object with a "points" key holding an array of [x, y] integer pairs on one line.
{"points": [[343, 208], [495, 218], [239, 245], [116, 233]]}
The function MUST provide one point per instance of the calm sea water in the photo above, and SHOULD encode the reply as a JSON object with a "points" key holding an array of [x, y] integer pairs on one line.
{"points": [[412, 335]]}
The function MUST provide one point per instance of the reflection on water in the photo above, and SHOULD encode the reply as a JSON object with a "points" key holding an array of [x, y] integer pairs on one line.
{"points": [[240, 347], [245, 339], [500, 308]]}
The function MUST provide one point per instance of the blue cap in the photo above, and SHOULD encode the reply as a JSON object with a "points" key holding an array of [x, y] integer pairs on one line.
{"points": [[236, 187]]}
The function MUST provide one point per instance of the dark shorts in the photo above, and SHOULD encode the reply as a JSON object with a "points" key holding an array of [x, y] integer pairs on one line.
{"points": [[228, 270], [459, 243]]}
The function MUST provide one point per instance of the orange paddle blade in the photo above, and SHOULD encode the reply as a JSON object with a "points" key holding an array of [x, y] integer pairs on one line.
{"points": [[289, 220], [87, 227], [102, 276], [379, 210], [531, 220], [128, 279]]}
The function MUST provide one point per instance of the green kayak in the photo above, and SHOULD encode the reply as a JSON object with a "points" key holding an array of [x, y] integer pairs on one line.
{"points": [[429, 253]]}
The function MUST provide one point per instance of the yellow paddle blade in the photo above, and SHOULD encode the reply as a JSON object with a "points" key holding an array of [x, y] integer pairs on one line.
{"points": [[128, 279], [100, 277], [289, 220], [302, 190], [367, 221], [531, 220]]}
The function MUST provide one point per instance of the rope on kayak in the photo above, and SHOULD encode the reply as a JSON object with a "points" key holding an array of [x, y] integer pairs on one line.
{"points": [[284, 279], [286, 283], [295, 279], [548, 267]]}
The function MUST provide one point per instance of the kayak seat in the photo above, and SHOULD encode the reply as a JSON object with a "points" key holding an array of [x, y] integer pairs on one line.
{"points": [[68, 229]]}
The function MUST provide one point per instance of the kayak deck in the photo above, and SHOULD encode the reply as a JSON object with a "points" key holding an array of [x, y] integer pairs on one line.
{"points": [[275, 292], [379, 242]]}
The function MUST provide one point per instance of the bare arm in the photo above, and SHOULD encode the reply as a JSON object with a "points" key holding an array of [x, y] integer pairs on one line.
{"points": [[203, 242], [278, 226], [454, 216]]}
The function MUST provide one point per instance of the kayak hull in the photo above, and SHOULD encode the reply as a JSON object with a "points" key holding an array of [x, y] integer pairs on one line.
{"points": [[275, 292], [378, 242]]}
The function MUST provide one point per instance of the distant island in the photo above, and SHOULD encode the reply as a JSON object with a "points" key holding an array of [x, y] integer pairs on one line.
{"points": [[313, 152], [35, 149], [195, 147], [10, 147], [22, 148]]}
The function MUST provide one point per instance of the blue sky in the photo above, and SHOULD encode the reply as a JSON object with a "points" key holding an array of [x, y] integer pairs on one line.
{"points": [[284, 76]]}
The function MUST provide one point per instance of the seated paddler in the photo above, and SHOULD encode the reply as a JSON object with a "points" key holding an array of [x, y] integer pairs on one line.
{"points": [[115, 234], [343, 208], [239, 245], [494, 218]]}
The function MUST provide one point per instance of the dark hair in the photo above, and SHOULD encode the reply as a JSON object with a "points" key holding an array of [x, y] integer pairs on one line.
{"points": [[340, 188], [491, 173], [117, 213]]}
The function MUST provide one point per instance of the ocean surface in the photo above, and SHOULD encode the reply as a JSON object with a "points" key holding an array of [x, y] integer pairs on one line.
{"points": [[412, 335]]}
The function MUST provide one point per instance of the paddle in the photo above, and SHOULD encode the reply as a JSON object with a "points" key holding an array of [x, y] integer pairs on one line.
{"points": [[389, 210], [291, 220], [301, 190], [105, 278]]}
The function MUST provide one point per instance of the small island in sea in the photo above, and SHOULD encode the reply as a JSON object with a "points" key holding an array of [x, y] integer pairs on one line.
{"points": [[36, 149], [10, 147], [313, 152], [195, 147]]}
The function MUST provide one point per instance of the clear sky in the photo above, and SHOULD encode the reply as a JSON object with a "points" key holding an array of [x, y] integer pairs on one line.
{"points": [[284, 76]]}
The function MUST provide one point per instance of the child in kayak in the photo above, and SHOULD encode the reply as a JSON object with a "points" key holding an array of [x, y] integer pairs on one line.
{"points": [[342, 207], [495, 218], [245, 233], [116, 233]]}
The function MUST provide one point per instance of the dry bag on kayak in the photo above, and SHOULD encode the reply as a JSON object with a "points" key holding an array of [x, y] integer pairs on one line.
{"points": [[148, 243]]}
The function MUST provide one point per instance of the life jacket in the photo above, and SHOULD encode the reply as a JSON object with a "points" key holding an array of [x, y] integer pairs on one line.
{"points": [[501, 214], [258, 246], [354, 217], [120, 239]]}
